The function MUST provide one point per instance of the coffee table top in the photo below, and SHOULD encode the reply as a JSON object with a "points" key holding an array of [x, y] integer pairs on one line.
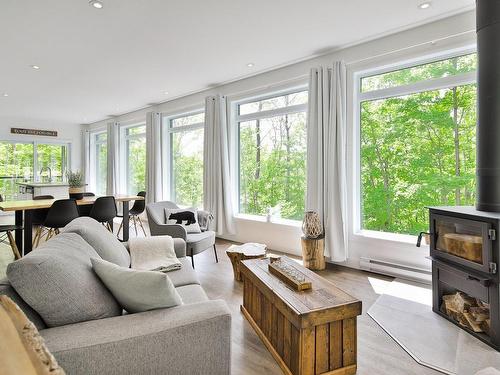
{"points": [[323, 301]]}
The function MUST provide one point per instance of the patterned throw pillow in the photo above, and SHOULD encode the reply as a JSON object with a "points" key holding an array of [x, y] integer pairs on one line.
{"points": [[188, 217]]}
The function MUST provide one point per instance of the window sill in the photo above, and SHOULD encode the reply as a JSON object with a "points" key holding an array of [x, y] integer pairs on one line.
{"points": [[394, 237], [262, 219]]}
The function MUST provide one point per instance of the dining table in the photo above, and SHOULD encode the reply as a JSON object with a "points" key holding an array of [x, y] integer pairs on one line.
{"points": [[23, 211]]}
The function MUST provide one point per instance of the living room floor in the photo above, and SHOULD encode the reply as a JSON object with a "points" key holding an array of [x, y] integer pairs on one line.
{"points": [[377, 352]]}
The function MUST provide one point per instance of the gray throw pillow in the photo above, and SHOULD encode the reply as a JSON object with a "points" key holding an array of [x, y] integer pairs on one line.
{"points": [[102, 240], [136, 290], [57, 281]]}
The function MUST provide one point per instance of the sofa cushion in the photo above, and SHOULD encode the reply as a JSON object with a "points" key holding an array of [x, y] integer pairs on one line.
{"points": [[57, 281], [32, 315], [192, 294], [102, 240], [185, 276], [136, 290]]}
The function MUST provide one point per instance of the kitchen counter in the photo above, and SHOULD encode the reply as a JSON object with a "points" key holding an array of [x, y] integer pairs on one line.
{"points": [[29, 190], [42, 184]]}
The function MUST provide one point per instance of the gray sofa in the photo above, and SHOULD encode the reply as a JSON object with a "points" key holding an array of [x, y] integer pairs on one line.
{"points": [[193, 338]]}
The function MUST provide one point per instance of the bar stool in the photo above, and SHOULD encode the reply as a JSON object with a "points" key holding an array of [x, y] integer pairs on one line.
{"points": [[39, 217], [137, 209], [61, 213], [104, 211]]}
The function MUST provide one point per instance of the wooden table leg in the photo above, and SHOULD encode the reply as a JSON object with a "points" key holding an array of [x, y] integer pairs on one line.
{"points": [[125, 221], [19, 232], [28, 231]]}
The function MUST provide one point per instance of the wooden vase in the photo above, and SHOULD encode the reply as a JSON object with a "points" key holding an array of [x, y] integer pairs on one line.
{"points": [[313, 250]]}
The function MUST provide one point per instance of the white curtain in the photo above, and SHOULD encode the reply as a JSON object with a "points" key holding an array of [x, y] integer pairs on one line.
{"points": [[86, 156], [112, 182], [326, 155], [216, 171], [154, 165]]}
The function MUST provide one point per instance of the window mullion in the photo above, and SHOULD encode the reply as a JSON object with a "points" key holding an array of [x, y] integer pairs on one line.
{"points": [[413, 88]]}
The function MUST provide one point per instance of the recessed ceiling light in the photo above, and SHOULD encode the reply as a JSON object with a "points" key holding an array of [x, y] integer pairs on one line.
{"points": [[96, 4], [36, 67], [425, 5], [165, 92], [250, 65], [5, 94]]}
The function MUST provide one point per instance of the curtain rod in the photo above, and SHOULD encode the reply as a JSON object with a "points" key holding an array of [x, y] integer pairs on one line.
{"points": [[410, 47]]}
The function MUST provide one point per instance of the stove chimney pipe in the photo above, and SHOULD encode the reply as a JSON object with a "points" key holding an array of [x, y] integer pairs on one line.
{"points": [[488, 106]]}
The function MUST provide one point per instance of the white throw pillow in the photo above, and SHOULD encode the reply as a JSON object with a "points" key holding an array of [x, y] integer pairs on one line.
{"points": [[187, 217], [137, 291]]}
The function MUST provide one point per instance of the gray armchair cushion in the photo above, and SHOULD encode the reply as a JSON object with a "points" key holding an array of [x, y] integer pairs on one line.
{"points": [[198, 242], [32, 315], [102, 240], [58, 282]]}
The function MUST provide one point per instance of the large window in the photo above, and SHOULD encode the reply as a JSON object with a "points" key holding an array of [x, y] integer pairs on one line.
{"points": [[31, 161], [99, 161], [417, 128], [134, 158], [185, 137], [272, 154]]}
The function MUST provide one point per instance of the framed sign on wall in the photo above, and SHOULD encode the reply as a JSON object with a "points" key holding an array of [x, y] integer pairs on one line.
{"points": [[46, 133]]}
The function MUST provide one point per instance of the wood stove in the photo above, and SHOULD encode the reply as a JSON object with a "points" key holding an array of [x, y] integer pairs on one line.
{"points": [[465, 253], [464, 247]]}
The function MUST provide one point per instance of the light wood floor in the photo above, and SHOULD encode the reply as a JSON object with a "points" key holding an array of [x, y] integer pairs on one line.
{"points": [[377, 352]]}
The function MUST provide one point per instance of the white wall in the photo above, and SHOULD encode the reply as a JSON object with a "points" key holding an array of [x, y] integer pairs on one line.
{"points": [[430, 39], [65, 133]]}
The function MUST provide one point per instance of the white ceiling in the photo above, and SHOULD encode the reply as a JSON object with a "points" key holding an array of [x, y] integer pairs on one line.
{"points": [[96, 63]]}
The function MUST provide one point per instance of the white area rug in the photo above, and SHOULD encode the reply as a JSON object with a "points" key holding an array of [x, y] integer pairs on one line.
{"points": [[404, 311]]}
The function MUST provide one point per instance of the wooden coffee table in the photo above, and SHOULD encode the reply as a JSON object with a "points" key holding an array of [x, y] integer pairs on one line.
{"points": [[307, 332]]}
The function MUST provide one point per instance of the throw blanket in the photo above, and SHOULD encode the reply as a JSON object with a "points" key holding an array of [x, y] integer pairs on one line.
{"points": [[153, 254]]}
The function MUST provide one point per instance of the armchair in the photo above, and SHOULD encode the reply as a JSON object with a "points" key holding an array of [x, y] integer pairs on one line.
{"points": [[195, 242]]}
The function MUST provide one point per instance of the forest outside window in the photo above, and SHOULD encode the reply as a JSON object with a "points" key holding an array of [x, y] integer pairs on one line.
{"points": [[417, 146], [31, 161], [272, 154], [134, 152], [185, 138]]}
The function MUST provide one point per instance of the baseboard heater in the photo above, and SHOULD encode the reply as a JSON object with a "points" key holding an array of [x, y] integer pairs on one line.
{"points": [[395, 269]]}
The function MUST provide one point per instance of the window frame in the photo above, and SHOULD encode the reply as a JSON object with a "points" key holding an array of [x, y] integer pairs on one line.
{"points": [[408, 89], [66, 162], [168, 130], [236, 119], [94, 143], [124, 141]]}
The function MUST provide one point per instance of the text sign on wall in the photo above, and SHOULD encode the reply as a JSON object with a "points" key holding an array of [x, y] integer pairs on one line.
{"points": [[47, 133]]}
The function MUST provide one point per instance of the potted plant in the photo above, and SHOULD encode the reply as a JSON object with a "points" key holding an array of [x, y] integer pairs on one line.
{"points": [[76, 184]]}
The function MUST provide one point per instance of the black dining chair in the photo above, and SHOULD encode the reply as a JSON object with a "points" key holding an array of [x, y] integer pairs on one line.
{"points": [[85, 209], [104, 211], [135, 212], [6, 235], [60, 214], [38, 219]]}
